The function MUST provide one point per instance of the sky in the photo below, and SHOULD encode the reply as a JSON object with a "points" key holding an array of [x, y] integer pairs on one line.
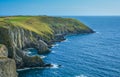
{"points": [[60, 7]]}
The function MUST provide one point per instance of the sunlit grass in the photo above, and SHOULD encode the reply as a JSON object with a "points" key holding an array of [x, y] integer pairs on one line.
{"points": [[43, 25]]}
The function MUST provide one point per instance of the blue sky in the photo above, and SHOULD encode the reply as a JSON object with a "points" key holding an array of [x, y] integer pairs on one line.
{"points": [[60, 7]]}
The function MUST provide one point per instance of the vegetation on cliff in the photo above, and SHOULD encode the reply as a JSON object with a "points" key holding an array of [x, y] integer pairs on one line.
{"points": [[44, 25]]}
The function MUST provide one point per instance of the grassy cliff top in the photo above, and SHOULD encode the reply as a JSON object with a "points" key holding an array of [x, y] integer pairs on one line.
{"points": [[41, 24]]}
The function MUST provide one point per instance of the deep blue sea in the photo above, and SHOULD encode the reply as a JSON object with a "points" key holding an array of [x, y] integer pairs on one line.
{"points": [[85, 55]]}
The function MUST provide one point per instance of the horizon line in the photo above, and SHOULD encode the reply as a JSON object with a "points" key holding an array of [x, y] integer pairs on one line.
{"points": [[57, 15]]}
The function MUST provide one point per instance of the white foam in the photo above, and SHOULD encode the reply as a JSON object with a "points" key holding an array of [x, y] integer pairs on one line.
{"points": [[23, 69], [55, 66], [29, 68], [66, 40], [81, 75], [27, 53], [54, 45], [42, 56]]}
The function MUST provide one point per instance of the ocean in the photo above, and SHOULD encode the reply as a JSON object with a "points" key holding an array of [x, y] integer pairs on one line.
{"points": [[85, 55]]}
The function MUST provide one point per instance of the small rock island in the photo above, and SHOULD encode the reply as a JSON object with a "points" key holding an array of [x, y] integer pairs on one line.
{"points": [[19, 33]]}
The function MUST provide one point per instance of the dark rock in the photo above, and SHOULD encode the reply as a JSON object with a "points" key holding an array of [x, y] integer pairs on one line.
{"points": [[42, 47], [59, 37], [33, 61], [28, 61], [59, 65], [48, 65]]}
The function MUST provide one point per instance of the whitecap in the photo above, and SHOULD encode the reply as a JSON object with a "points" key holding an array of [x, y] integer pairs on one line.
{"points": [[81, 75]]}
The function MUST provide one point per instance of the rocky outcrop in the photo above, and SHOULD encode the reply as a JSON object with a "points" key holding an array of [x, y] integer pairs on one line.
{"points": [[7, 68], [33, 61], [42, 47], [7, 65]]}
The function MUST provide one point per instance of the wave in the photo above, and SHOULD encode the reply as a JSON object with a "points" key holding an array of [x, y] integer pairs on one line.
{"points": [[55, 45], [81, 75], [55, 66], [66, 40], [28, 53], [23, 69]]}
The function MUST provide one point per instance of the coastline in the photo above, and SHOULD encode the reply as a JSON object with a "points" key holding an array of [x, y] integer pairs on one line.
{"points": [[24, 32]]}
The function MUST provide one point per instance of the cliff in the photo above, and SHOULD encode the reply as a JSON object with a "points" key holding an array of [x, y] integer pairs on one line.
{"points": [[19, 33], [7, 65]]}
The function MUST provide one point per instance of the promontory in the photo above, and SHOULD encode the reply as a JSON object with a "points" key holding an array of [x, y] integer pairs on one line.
{"points": [[19, 33]]}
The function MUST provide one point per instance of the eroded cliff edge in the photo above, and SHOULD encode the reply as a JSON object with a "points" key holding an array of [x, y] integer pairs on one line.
{"points": [[19, 33]]}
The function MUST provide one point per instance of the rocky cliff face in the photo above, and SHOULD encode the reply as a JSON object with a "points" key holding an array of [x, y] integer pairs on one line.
{"points": [[7, 65], [17, 40], [20, 33]]}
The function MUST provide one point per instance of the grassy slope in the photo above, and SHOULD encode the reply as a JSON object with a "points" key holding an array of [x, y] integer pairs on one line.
{"points": [[29, 23], [42, 25]]}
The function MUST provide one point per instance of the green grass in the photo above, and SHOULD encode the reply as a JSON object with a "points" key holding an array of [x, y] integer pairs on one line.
{"points": [[29, 23], [42, 25]]}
